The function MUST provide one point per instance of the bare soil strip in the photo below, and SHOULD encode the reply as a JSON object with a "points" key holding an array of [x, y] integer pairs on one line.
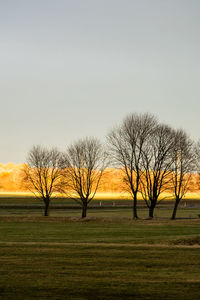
{"points": [[97, 244]]}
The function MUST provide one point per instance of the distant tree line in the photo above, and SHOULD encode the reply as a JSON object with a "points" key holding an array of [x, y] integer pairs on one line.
{"points": [[154, 158]]}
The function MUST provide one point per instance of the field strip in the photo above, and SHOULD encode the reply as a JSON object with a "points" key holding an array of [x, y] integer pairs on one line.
{"points": [[96, 244]]}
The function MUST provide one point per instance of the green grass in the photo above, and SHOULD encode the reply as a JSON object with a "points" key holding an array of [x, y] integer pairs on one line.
{"points": [[100, 258], [106, 256], [93, 272], [97, 230], [190, 213], [19, 199]]}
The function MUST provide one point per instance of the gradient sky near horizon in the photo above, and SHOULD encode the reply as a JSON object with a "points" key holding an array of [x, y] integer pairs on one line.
{"points": [[71, 69]]}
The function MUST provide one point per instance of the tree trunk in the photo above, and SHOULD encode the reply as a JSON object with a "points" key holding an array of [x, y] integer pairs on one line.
{"points": [[46, 210], [135, 216], [151, 211], [84, 210], [175, 208]]}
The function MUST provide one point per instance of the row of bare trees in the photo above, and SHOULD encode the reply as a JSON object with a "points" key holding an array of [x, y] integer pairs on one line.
{"points": [[75, 173], [154, 159]]}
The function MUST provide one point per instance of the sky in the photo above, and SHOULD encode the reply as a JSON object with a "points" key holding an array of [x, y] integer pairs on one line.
{"points": [[73, 68]]}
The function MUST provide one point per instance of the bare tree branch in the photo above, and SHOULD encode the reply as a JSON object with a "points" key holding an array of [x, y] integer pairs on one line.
{"points": [[183, 165], [156, 164], [126, 147], [85, 163], [42, 173]]}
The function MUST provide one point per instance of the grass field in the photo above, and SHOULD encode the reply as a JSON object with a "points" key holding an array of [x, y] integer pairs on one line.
{"points": [[100, 196], [106, 256], [113, 208]]}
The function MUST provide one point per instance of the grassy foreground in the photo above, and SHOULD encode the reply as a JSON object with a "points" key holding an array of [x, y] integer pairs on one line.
{"points": [[99, 258]]}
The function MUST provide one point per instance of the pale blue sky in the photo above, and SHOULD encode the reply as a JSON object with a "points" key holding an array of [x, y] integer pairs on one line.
{"points": [[75, 68]]}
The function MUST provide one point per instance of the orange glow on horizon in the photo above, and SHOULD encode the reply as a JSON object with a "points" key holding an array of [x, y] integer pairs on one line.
{"points": [[10, 180], [10, 177]]}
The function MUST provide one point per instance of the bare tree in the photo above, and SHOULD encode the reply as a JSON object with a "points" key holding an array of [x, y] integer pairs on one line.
{"points": [[156, 160], [85, 163], [126, 148], [182, 167], [42, 173]]}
